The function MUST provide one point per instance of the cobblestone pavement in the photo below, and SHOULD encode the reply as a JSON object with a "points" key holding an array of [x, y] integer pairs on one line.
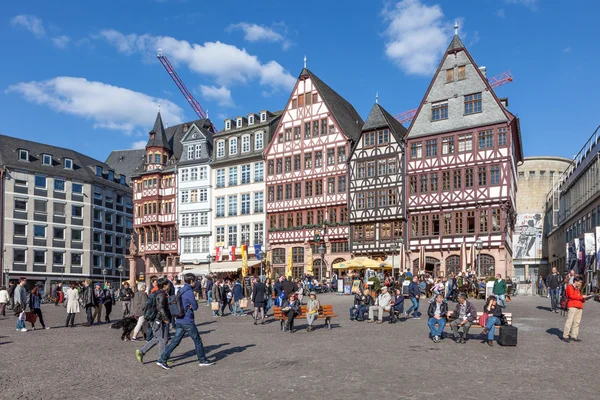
{"points": [[351, 361]]}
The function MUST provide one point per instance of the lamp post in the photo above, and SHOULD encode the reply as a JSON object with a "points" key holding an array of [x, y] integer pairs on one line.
{"points": [[478, 245], [209, 258], [62, 274], [163, 263], [263, 256], [6, 271], [322, 251], [120, 269], [104, 273], [393, 247]]}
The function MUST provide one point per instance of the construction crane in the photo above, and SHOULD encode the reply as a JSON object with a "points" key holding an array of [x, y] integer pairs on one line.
{"points": [[186, 93], [498, 80]]}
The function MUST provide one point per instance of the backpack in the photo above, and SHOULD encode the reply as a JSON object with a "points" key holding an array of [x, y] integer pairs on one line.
{"points": [[150, 311], [564, 301], [176, 305]]}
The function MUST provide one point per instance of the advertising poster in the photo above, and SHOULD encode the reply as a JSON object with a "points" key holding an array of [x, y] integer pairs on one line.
{"points": [[590, 251], [527, 239]]}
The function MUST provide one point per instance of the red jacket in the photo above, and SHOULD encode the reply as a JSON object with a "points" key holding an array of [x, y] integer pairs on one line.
{"points": [[575, 297]]}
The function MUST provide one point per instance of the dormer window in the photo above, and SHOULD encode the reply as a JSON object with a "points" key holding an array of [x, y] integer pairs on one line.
{"points": [[122, 182], [68, 163], [46, 159], [221, 148], [227, 125], [198, 151], [251, 120], [263, 116], [23, 155], [233, 146], [190, 152], [111, 176], [245, 143], [157, 158], [98, 170], [239, 123]]}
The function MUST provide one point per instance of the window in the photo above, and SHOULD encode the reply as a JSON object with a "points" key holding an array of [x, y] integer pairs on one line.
{"points": [[447, 224], [39, 257], [483, 221], [245, 174], [360, 201], [413, 185], [190, 152], [318, 159], [360, 170], [233, 176], [245, 144], [258, 233], [308, 189], [383, 137], [297, 133], [450, 75], [46, 159], [108, 216], [392, 166], [382, 198], [307, 130], [98, 214], [39, 231], [473, 103], [370, 169], [221, 148], [318, 187], [185, 198], [279, 166], [288, 134], [220, 234], [369, 139], [457, 175], [433, 182], [416, 150], [482, 175], [330, 156], [435, 224], [76, 259], [288, 164], [501, 137], [370, 200], [470, 221], [185, 175], [431, 148], [20, 230], [381, 167], [59, 209], [221, 178], [58, 233], [40, 182], [423, 184], [341, 184], [198, 151], [258, 202], [496, 220], [341, 153], [486, 139], [495, 175], [77, 188], [316, 129], [258, 140], [263, 117], [232, 235], [469, 177], [448, 145], [239, 123], [458, 223], [446, 180], [232, 205], [439, 110], [465, 142], [20, 204], [462, 72], [330, 185], [40, 206], [298, 255], [23, 155], [227, 124], [99, 168], [245, 203], [220, 207], [233, 146], [324, 127]]}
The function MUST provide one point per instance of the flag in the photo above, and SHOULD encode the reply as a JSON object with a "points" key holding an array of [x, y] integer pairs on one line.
{"points": [[463, 257], [244, 260], [257, 249], [219, 253], [309, 263], [231, 253], [288, 267], [598, 247]]}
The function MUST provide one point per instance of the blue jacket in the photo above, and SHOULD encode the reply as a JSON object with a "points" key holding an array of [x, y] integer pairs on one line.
{"points": [[189, 304], [414, 290], [399, 303], [209, 285], [237, 292]]}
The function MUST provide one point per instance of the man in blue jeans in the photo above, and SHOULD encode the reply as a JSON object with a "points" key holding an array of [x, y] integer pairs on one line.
{"points": [[414, 293], [186, 324], [554, 283], [209, 288]]}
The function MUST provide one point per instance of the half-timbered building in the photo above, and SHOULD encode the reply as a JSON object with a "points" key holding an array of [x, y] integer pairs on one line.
{"points": [[376, 202], [463, 147], [307, 180]]}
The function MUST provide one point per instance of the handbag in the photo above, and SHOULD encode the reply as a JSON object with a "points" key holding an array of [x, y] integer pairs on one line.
{"points": [[503, 320], [214, 306], [482, 320], [18, 309], [244, 303]]}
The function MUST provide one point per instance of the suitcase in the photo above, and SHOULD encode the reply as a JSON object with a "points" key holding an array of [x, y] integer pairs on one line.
{"points": [[508, 335]]}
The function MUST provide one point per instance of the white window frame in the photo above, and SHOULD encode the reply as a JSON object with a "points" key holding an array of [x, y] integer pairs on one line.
{"points": [[228, 124], [190, 152], [263, 117], [47, 159], [185, 175], [246, 144], [198, 151], [68, 163], [251, 120], [23, 155], [202, 173], [233, 148], [220, 149], [14, 230], [42, 251], [238, 123], [259, 167], [258, 140]]}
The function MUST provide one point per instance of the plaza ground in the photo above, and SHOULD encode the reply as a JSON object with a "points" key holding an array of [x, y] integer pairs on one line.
{"points": [[353, 360]]}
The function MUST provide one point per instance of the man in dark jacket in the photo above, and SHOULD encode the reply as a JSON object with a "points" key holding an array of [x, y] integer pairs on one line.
{"points": [[186, 324], [438, 310], [397, 305], [465, 315], [358, 298], [289, 287], [209, 287], [126, 295], [89, 301], [99, 295], [109, 300], [238, 294], [414, 293], [259, 298], [554, 283], [160, 325]]}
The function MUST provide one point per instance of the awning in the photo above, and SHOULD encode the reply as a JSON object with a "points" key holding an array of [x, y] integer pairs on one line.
{"points": [[217, 267]]}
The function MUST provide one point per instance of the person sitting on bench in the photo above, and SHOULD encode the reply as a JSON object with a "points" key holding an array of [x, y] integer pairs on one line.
{"points": [[291, 309], [381, 304], [465, 315], [437, 316], [398, 306], [494, 313], [358, 299]]}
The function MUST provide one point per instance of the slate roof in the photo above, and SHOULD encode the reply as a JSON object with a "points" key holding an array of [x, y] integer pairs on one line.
{"points": [[126, 162], [380, 118], [456, 43], [84, 167], [160, 138], [344, 113]]}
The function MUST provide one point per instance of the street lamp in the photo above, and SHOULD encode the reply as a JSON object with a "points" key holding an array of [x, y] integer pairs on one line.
{"points": [[163, 263], [104, 273], [209, 258], [478, 245], [120, 269], [6, 271], [322, 250]]}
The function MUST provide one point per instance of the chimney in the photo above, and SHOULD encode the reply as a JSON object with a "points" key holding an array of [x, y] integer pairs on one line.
{"points": [[185, 128], [483, 70]]}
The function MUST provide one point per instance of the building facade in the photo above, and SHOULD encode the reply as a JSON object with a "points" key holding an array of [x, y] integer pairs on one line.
{"points": [[463, 148], [65, 216], [238, 172], [376, 195], [536, 176], [307, 179]]}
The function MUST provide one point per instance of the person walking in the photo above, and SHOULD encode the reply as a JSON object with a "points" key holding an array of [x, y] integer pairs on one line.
{"points": [[99, 295], [72, 305], [139, 302], [35, 304], [540, 286], [237, 296], [259, 293], [209, 289], [554, 285], [11, 294], [216, 296], [89, 301], [575, 307], [414, 293], [4, 299], [109, 300], [125, 295], [312, 311], [269, 295], [159, 319], [186, 325], [500, 290], [19, 303]]}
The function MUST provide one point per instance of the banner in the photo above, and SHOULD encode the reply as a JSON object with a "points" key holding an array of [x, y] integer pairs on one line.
{"points": [[580, 257], [231, 253], [527, 238], [219, 253], [572, 255], [598, 248], [590, 251], [244, 260], [257, 249]]}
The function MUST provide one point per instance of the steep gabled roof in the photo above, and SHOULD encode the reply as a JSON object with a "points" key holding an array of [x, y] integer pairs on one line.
{"points": [[126, 162], [380, 118], [344, 113], [455, 44], [158, 137]]}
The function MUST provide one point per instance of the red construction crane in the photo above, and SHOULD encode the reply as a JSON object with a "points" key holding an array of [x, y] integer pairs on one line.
{"points": [[494, 82], [186, 93]]}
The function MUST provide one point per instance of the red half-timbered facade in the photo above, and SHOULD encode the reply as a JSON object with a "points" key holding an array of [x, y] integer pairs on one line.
{"points": [[462, 150], [307, 180]]}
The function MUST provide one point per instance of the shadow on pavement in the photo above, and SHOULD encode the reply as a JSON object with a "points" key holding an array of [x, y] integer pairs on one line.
{"points": [[544, 308], [554, 331], [192, 353]]}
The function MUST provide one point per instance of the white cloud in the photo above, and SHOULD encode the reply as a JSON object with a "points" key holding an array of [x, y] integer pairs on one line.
{"points": [[531, 4], [61, 41], [221, 95], [475, 39], [417, 35], [226, 63], [110, 107], [31, 23], [500, 13], [567, 50], [260, 33], [140, 144]]}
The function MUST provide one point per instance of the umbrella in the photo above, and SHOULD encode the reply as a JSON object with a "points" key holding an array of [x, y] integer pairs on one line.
{"points": [[463, 256], [472, 257], [362, 263], [288, 267], [309, 264], [422, 259], [244, 260]]}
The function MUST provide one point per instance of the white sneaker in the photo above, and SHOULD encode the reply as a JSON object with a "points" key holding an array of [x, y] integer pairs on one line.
{"points": [[22, 330], [47, 327]]}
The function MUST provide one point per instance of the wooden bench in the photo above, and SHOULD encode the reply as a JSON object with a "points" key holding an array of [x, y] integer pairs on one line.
{"points": [[325, 312], [480, 313]]}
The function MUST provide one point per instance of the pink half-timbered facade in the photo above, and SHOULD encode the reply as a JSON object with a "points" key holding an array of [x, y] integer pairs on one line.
{"points": [[462, 151], [307, 180]]}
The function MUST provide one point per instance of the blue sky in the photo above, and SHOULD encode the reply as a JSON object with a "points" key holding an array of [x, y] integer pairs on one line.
{"points": [[85, 75]]}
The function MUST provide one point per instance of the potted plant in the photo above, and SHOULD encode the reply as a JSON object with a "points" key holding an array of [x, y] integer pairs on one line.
{"points": [[375, 287]]}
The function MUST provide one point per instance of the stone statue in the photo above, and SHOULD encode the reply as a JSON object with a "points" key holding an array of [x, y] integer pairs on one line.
{"points": [[133, 249]]}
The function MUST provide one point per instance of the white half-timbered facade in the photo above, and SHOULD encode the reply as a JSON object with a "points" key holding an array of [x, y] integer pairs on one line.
{"points": [[307, 180], [462, 150], [376, 169]]}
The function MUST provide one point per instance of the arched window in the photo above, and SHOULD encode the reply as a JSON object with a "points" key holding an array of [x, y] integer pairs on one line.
{"points": [[487, 265], [452, 265], [317, 268]]}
